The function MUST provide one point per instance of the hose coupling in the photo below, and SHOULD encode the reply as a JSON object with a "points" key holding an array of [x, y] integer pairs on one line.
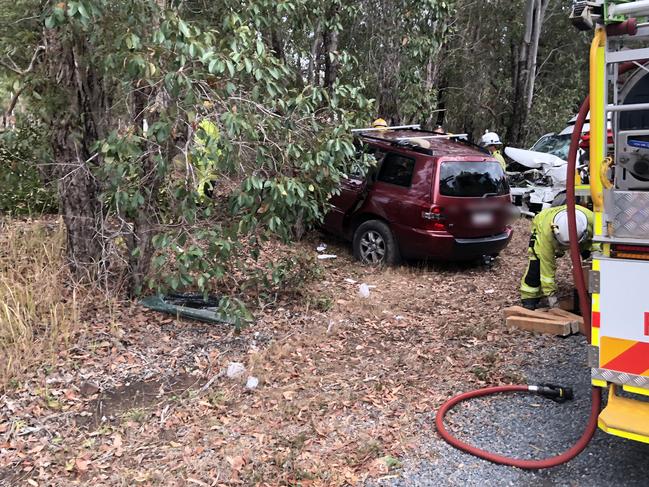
{"points": [[552, 391]]}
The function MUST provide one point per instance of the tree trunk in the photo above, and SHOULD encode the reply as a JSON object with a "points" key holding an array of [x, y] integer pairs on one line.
{"points": [[388, 95], [316, 46], [143, 227], [74, 132], [539, 16], [525, 70], [79, 203], [331, 58]]}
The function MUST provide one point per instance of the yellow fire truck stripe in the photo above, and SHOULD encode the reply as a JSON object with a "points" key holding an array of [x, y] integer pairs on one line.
{"points": [[594, 337], [596, 264], [599, 383], [636, 390], [597, 224], [624, 434], [595, 302]]}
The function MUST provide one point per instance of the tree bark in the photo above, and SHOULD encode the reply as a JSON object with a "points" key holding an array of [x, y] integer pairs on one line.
{"points": [[525, 70], [74, 132], [144, 225], [331, 58], [10, 110], [316, 46]]}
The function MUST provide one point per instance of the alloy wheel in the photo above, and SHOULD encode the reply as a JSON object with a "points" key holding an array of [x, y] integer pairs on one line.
{"points": [[372, 247]]}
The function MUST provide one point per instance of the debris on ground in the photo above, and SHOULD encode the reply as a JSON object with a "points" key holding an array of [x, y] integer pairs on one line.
{"points": [[327, 256], [235, 370], [347, 382], [252, 382], [364, 291], [191, 306]]}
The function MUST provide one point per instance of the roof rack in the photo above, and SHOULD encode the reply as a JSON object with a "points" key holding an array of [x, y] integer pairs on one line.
{"points": [[404, 141], [438, 136], [380, 129]]}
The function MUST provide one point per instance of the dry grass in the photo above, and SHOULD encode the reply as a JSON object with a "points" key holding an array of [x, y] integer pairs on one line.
{"points": [[37, 312]]}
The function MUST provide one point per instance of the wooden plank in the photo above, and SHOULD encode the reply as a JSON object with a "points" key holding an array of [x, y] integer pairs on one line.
{"points": [[560, 328], [567, 304], [524, 312], [577, 321], [565, 314]]}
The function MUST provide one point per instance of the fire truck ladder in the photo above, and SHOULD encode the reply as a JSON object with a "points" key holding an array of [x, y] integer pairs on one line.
{"points": [[619, 357]]}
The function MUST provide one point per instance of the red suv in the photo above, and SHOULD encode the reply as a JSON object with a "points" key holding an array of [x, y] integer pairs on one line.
{"points": [[429, 197]]}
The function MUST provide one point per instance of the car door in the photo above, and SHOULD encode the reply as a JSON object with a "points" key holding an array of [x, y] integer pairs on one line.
{"points": [[400, 189], [353, 191]]}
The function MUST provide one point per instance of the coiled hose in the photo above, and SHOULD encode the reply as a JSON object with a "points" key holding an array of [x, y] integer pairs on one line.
{"points": [[580, 284]]}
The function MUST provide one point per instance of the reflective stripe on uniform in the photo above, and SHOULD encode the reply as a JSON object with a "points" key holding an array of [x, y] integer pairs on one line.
{"points": [[547, 280], [529, 289]]}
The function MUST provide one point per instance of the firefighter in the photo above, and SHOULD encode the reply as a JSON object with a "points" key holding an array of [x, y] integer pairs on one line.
{"points": [[549, 240], [492, 143]]}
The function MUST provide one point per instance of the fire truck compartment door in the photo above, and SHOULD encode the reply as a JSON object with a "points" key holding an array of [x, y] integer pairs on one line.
{"points": [[624, 308]]}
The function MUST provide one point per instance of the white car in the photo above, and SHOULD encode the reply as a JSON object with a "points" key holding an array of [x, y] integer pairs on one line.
{"points": [[544, 183]]}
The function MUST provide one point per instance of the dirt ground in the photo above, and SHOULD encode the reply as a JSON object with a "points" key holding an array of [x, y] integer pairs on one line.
{"points": [[142, 399]]}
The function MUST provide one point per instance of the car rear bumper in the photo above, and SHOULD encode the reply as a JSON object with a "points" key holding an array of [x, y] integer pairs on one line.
{"points": [[442, 245]]}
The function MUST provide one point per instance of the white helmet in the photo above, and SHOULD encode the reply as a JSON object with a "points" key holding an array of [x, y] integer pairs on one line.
{"points": [[490, 138], [560, 227]]}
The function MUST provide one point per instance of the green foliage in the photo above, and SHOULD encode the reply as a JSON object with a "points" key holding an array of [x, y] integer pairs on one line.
{"points": [[479, 67], [23, 158], [210, 109], [211, 128]]}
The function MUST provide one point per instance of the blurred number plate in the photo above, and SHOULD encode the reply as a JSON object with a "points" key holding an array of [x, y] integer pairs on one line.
{"points": [[482, 219]]}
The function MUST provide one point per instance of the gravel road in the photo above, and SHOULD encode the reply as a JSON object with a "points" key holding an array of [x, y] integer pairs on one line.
{"points": [[529, 427]]}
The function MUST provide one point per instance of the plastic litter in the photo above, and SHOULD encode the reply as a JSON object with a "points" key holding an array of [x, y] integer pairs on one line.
{"points": [[235, 370], [321, 248], [252, 382], [364, 291], [327, 256]]}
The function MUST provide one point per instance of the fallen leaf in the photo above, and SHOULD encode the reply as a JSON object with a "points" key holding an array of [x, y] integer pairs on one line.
{"points": [[81, 465], [236, 463]]}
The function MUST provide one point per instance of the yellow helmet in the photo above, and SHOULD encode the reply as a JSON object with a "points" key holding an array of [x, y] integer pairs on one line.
{"points": [[379, 123]]}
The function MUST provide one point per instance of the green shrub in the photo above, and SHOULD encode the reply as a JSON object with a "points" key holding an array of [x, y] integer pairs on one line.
{"points": [[24, 189]]}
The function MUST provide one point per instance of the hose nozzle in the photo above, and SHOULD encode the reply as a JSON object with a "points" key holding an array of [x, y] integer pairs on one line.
{"points": [[552, 391]]}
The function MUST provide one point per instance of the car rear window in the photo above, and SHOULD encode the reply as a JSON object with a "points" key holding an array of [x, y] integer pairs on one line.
{"points": [[472, 179]]}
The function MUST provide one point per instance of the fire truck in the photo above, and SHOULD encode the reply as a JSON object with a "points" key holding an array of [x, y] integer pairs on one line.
{"points": [[619, 185]]}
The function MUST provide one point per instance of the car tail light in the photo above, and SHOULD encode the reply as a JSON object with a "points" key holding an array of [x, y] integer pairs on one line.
{"points": [[636, 252], [436, 218]]}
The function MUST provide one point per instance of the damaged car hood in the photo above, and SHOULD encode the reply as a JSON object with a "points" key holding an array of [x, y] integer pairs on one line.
{"points": [[552, 166]]}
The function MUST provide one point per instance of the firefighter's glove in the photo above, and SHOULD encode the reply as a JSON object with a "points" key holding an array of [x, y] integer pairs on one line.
{"points": [[553, 301]]}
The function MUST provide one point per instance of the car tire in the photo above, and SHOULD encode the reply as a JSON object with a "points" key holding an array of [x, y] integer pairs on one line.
{"points": [[374, 244]]}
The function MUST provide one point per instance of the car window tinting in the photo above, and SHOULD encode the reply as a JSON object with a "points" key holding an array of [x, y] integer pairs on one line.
{"points": [[472, 179], [397, 170]]}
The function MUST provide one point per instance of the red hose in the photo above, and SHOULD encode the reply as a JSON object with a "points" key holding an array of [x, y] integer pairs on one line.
{"points": [[580, 283], [575, 254], [514, 462]]}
